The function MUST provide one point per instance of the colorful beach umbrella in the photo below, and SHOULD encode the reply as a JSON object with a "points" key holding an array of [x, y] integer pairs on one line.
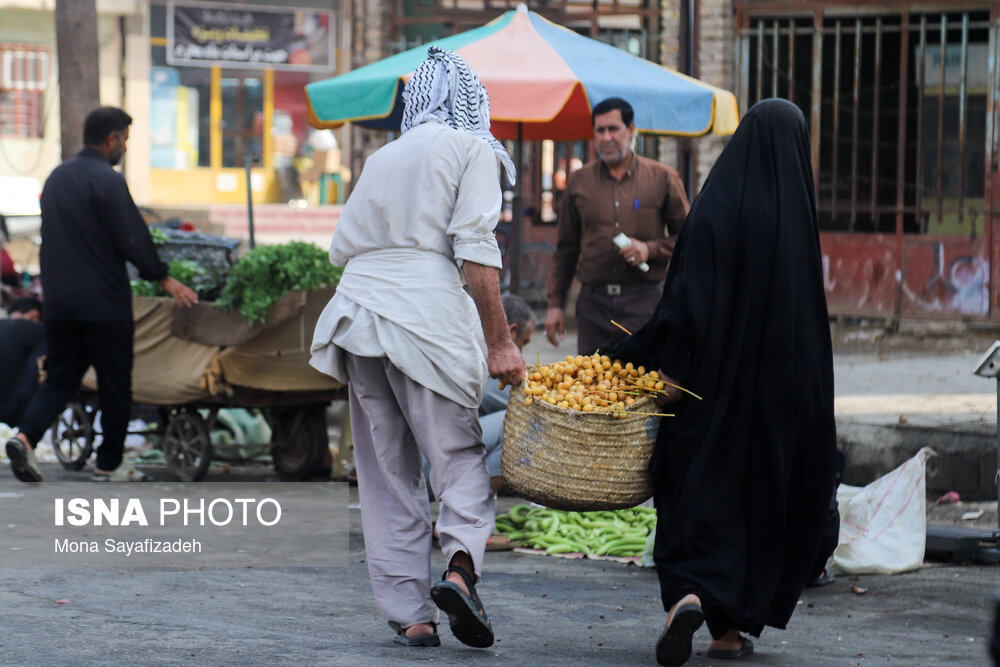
{"points": [[541, 76], [543, 80]]}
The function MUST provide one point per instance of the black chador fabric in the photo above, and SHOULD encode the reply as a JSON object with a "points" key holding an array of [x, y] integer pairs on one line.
{"points": [[744, 476]]}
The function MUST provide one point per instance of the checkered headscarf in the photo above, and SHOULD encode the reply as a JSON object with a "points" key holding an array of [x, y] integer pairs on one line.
{"points": [[445, 87]]}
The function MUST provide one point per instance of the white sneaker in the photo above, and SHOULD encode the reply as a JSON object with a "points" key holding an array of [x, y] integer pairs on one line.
{"points": [[22, 461]]}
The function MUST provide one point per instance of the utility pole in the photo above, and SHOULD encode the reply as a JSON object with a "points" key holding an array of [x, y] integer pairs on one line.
{"points": [[77, 56]]}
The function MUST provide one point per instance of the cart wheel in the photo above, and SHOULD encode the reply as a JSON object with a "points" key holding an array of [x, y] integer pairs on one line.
{"points": [[73, 436], [187, 445], [299, 444]]}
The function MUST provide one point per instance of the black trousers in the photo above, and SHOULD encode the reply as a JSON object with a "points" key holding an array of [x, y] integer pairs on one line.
{"points": [[13, 405], [73, 347]]}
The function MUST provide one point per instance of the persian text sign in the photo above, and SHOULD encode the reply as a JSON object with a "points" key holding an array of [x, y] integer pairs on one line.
{"points": [[208, 34]]}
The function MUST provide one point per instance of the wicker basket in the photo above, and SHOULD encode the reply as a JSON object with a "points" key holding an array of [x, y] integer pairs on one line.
{"points": [[581, 461]]}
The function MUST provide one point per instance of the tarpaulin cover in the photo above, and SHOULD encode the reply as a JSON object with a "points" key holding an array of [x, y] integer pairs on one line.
{"points": [[167, 370], [278, 358]]}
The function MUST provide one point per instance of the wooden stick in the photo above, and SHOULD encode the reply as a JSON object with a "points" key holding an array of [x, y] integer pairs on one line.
{"points": [[617, 391], [637, 385], [686, 391], [651, 414], [621, 327], [623, 391], [635, 382]]}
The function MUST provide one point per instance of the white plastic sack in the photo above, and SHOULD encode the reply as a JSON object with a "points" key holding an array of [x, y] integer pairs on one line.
{"points": [[883, 526]]}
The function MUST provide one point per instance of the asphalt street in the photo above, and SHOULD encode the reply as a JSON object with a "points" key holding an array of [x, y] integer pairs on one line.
{"points": [[546, 610]]}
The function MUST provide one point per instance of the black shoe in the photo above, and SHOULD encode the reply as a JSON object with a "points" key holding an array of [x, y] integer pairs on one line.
{"points": [[466, 615], [22, 461], [674, 645], [822, 579], [745, 649]]}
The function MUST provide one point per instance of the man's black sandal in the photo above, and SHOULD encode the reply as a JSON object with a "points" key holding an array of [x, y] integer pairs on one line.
{"points": [[466, 615], [432, 639]]}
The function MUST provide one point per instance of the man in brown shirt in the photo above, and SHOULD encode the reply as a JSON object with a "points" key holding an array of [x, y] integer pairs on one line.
{"points": [[620, 193]]}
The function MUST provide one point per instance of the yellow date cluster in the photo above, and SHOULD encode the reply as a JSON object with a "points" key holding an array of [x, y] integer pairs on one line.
{"points": [[591, 384]]}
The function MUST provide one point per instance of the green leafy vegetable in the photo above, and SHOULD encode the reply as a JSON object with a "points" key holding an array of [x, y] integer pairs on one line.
{"points": [[186, 271], [266, 273], [159, 236]]}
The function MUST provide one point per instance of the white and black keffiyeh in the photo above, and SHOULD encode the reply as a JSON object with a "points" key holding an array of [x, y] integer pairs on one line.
{"points": [[445, 87]]}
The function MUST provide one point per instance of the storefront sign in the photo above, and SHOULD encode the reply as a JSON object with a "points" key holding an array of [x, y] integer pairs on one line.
{"points": [[976, 68], [210, 34]]}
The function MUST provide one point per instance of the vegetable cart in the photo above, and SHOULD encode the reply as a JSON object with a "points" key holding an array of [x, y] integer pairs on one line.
{"points": [[188, 361], [298, 423]]}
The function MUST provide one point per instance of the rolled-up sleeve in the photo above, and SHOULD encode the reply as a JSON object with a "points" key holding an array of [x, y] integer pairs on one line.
{"points": [[477, 209]]}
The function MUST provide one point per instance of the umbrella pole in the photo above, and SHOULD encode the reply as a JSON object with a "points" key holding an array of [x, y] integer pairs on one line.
{"points": [[247, 164], [514, 247]]}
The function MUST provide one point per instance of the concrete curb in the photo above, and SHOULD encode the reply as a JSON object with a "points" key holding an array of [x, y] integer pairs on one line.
{"points": [[966, 460]]}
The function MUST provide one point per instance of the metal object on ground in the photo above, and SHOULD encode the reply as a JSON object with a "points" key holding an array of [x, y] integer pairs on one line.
{"points": [[299, 442], [187, 445], [995, 639], [955, 543], [73, 435]]}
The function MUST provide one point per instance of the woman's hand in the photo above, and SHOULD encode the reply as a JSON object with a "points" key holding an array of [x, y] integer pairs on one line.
{"points": [[672, 395]]}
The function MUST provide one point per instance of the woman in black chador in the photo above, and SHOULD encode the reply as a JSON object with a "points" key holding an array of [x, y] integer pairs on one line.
{"points": [[744, 475]]}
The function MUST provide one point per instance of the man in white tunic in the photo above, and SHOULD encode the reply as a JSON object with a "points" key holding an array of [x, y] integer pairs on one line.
{"points": [[407, 338]]}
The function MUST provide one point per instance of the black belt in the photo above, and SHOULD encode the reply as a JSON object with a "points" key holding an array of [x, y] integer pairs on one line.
{"points": [[616, 289]]}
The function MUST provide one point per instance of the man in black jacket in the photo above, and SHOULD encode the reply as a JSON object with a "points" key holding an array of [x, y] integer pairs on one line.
{"points": [[90, 227]]}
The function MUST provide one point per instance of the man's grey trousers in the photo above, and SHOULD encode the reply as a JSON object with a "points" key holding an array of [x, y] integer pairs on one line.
{"points": [[395, 422]]}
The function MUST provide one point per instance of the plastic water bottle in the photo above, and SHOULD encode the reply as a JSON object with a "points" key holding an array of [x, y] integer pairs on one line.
{"points": [[623, 241]]}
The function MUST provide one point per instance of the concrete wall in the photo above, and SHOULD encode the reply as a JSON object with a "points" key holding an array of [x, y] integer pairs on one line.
{"points": [[370, 20], [670, 56], [137, 100], [32, 22], [716, 48], [714, 64], [32, 157]]}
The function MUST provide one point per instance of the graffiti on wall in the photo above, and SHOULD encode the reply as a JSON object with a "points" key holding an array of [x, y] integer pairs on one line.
{"points": [[945, 276], [954, 279], [858, 275]]}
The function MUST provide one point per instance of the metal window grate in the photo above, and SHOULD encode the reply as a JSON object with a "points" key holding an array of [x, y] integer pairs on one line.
{"points": [[898, 106], [24, 75]]}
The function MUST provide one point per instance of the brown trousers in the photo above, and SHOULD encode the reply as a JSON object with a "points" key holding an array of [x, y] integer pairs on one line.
{"points": [[595, 308]]}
